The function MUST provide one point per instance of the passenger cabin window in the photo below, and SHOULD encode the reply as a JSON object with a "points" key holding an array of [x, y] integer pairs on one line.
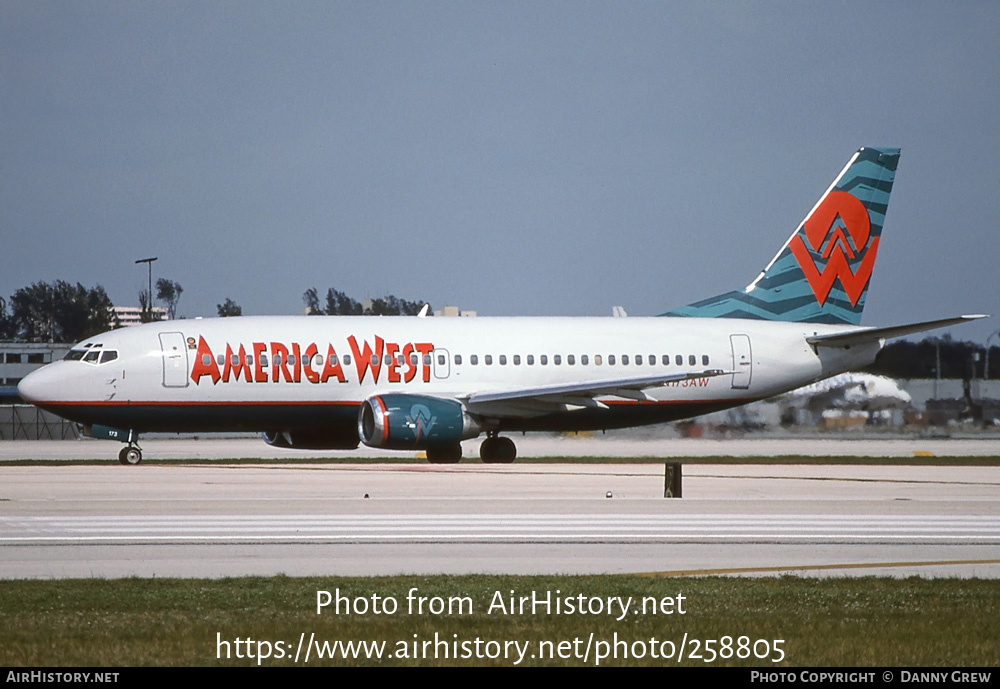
{"points": [[624, 359], [474, 359], [531, 360], [691, 360], [597, 360], [584, 360], [543, 359], [679, 360], [611, 359], [638, 359], [704, 359], [503, 359], [570, 359], [517, 359], [458, 359], [665, 360], [557, 359], [488, 359]]}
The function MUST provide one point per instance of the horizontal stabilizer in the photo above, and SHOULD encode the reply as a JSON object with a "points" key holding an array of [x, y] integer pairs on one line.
{"points": [[860, 336]]}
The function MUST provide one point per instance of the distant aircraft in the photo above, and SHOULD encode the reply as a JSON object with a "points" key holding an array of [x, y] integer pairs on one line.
{"points": [[863, 391], [415, 383]]}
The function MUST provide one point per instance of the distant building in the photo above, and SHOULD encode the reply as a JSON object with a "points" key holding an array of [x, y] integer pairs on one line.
{"points": [[18, 359], [19, 421], [453, 312], [132, 315]]}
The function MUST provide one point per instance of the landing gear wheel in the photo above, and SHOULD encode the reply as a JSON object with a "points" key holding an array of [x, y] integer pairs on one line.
{"points": [[444, 454], [130, 456], [498, 450]]}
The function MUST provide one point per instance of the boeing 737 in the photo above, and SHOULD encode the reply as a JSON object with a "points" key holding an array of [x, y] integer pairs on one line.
{"points": [[417, 383]]}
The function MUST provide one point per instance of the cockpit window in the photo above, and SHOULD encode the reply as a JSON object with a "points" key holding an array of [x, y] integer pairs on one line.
{"points": [[92, 355]]}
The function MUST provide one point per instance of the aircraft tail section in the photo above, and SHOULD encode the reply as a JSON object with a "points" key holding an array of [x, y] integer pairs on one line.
{"points": [[821, 274]]}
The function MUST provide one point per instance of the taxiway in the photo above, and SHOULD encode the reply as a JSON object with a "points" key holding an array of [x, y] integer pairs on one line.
{"points": [[206, 519]]}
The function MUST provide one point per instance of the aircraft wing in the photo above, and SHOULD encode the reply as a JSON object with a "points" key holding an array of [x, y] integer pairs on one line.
{"points": [[859, 336], [542, 398]]}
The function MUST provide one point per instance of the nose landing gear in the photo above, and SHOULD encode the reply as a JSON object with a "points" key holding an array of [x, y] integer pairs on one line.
{"points": [[131, 455]]}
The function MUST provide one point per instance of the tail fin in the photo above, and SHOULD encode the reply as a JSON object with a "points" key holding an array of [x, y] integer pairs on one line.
{"points": [[822, 272]]}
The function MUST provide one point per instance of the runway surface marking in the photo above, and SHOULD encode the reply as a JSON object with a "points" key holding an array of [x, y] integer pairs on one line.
{"points": [[501, 527], [814, 568], [852, 479]]}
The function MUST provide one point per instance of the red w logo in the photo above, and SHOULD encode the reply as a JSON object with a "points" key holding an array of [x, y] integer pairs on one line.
{"points": [[821, 228]]}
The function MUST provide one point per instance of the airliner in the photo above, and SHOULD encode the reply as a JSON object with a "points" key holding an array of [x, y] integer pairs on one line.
{"points": [[415, 383]]}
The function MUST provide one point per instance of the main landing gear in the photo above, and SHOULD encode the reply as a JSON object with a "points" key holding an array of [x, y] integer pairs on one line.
{"points": [[494, 450], [497, 450], [131, 455], [449, 453]]}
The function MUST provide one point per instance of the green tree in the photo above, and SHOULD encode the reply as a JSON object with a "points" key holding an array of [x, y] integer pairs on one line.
{"points": [[229, 308], [339, 304], [146, 313], [311, 299], [905, 359], [60, 312], [6, 325], [169, 292]]}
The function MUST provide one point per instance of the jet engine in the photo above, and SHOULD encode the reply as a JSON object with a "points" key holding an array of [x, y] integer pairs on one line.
{"points": [[398, 421]]}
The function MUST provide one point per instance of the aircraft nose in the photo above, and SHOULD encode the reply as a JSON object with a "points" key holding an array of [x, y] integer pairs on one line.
{"points": [[37, 386]]}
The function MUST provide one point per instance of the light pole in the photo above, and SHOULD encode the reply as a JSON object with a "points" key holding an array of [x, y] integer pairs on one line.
{"points": [[149, 294]]}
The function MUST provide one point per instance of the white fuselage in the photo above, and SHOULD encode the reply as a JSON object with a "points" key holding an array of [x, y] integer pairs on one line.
{"points": [[281, 373]]}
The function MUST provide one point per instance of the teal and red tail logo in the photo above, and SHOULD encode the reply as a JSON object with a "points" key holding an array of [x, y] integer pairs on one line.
{"points": [[839, 232], [822, 273]]}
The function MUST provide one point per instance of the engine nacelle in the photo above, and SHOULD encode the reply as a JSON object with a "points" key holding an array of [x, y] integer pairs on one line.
{"points": [[398, 421], [338, 439]]}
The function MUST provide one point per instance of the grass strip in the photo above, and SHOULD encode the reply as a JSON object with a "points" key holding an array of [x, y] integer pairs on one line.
{"points": [[821, 622]]}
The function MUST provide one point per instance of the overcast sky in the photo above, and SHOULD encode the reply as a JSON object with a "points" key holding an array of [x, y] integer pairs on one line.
{"points": [[539, 158]]}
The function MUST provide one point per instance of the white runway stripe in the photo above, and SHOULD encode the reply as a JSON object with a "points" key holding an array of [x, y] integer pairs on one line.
{"points": [[500, 527]]}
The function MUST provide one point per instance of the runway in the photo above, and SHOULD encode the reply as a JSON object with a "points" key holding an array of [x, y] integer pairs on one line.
{"points": [[629, 443], [340, 519]]}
